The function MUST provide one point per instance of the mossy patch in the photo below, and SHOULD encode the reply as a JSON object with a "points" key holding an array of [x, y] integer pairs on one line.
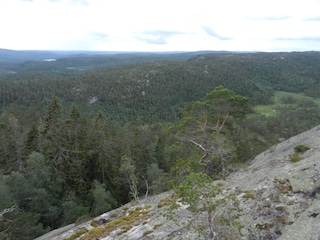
{"points": [[96, 223], [281, 208], [157, 226], [147, 232], [283, 185], [169, 201], [125, 208], [264, 226], [281, 219], [279, 180], [124, 230], [77, 234], [130, 218], [249, 194]]}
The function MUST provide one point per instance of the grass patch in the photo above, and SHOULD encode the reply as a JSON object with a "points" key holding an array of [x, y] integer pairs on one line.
{"points": [[295, 157], [282, 99], [301, 148], [298, 150]]}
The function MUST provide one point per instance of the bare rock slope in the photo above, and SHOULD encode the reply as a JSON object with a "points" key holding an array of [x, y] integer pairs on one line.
{"points": [[278, 197]]}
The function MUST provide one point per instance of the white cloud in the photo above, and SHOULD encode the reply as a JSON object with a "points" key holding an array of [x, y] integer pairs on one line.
{"points": [[154, 25]]}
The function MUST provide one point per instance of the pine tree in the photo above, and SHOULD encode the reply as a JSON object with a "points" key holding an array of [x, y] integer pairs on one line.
{"points": [[203, 122]]}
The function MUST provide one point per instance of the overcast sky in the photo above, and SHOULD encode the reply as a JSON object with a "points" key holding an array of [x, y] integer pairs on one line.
{"points": [[160, 25]]}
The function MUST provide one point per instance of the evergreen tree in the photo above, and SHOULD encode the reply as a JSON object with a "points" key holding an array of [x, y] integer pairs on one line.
{"points": [[103, 200], [32, 140], [202, 126]]}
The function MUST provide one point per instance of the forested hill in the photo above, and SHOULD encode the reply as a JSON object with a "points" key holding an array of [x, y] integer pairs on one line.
{"points": [[159, 90], [294, 72], [76, 144]]}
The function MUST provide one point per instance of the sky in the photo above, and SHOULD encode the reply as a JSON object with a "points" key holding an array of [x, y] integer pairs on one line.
{"points": [[160, 25]]}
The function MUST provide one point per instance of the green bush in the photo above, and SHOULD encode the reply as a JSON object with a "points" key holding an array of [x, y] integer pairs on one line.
{"points": [[301, 148]]}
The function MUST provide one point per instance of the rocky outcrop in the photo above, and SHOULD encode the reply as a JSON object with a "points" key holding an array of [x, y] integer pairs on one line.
{"points": [[157, 217], [277, 196], [285, 195]]}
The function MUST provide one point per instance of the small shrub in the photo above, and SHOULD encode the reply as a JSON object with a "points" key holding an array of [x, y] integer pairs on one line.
{"points": [[295, 157], [301, 148]]}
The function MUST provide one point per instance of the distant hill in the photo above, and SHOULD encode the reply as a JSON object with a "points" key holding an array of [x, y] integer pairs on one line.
{"points": [[7, 55], [154, 86], [71, 62]]}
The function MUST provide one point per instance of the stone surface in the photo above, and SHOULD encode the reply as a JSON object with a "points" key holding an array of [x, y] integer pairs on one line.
{"points": [[277, 198], [286, 193]]}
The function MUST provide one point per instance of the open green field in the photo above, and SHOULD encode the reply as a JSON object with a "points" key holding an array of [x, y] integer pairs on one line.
{"points": [[281, 99]]}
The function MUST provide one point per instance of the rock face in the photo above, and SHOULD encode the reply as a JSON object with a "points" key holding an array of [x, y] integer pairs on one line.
{"points": [[285, 201], [276, 198]]}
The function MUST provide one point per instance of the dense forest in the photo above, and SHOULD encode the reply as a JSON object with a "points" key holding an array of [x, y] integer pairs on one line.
{"points": [[81, 136]]}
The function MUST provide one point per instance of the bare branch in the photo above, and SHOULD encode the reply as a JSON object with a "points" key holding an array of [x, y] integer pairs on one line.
{"points": [[7, 210], [197, 144], [224, 121]]}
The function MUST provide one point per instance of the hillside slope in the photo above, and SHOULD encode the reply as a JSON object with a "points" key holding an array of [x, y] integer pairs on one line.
{"points": [[277, 199]]}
